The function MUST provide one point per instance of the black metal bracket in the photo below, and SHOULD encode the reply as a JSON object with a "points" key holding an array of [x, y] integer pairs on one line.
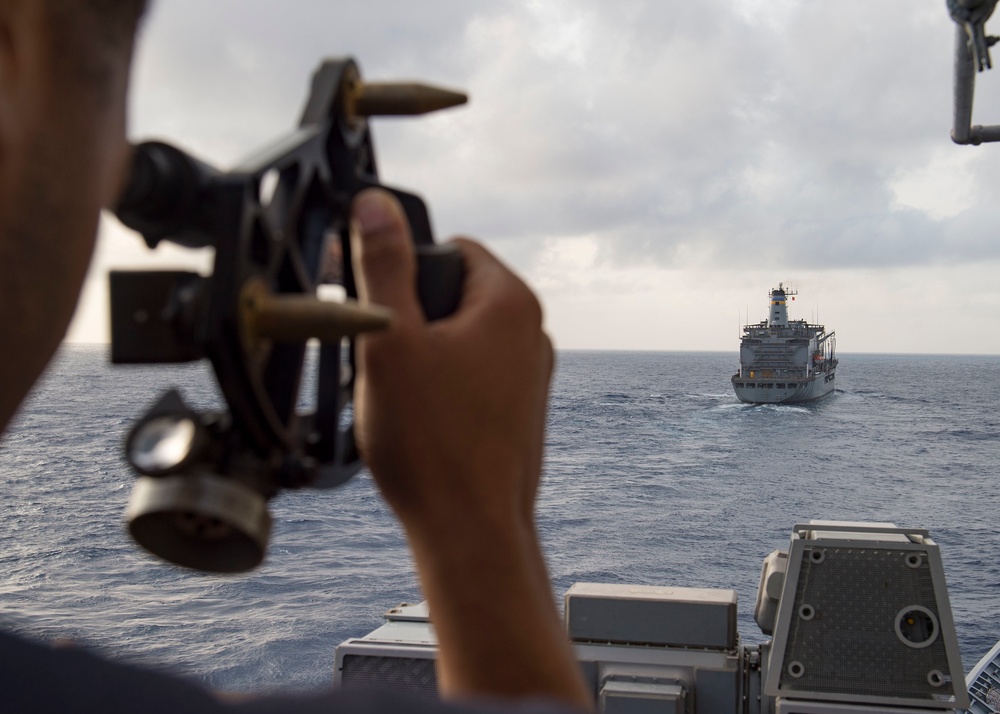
{"points": [[273, 221]]}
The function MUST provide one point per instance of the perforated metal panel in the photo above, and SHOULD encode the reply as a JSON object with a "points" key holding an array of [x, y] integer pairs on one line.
{"points": [[984, 684], [850, 643], [864, 617], [405, 674]]}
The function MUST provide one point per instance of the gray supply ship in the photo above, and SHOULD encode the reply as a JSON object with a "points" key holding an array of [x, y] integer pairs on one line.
{"points": [[785, 361]]}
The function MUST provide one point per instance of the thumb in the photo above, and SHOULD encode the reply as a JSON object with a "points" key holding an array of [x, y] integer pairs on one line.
{"points": [[385, 268]]}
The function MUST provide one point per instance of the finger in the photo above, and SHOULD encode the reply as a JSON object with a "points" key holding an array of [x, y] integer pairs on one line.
{"points": [[536, 455], [493, 293], [489, 285], [385, 267]]}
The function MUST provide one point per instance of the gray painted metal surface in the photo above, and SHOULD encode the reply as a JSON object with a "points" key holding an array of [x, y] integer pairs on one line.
{"points": [[862, 625], [652, 615], [864, 619], [984, 684], [972, 55]]}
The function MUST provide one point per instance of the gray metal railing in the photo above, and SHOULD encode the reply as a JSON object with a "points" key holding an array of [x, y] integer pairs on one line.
{"points": [[972, 55]]}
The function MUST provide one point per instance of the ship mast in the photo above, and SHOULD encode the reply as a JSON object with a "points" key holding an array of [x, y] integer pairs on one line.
{"points": [[777, 309]]}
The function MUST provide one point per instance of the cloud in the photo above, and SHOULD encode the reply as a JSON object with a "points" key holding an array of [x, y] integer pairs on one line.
{"points": [[680, 130], [604, 139], [719, 130]]}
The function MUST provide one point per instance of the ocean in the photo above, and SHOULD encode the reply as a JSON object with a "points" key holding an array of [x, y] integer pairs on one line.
{"points": [[655, 474]]}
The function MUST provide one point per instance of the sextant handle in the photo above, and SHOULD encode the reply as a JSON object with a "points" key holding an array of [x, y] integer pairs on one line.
{"points": [[440, 272], [440, 269]]}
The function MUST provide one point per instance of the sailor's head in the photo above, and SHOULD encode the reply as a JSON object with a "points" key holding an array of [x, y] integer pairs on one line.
{"points": [[64, 69]]}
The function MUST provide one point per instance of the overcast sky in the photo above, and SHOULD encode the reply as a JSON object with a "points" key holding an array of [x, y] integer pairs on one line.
{"points": [[651, 168]]}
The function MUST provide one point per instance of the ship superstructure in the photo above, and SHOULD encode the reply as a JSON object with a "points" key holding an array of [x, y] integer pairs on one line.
{"points": [[782, 360]]}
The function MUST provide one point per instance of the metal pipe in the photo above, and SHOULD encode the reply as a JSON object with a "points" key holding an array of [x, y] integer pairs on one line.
{"points": [[984, 134], [963, 132], [965, 85]]}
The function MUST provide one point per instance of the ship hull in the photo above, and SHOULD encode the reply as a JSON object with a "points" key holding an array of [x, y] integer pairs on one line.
{"points": [[771, 390]]}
